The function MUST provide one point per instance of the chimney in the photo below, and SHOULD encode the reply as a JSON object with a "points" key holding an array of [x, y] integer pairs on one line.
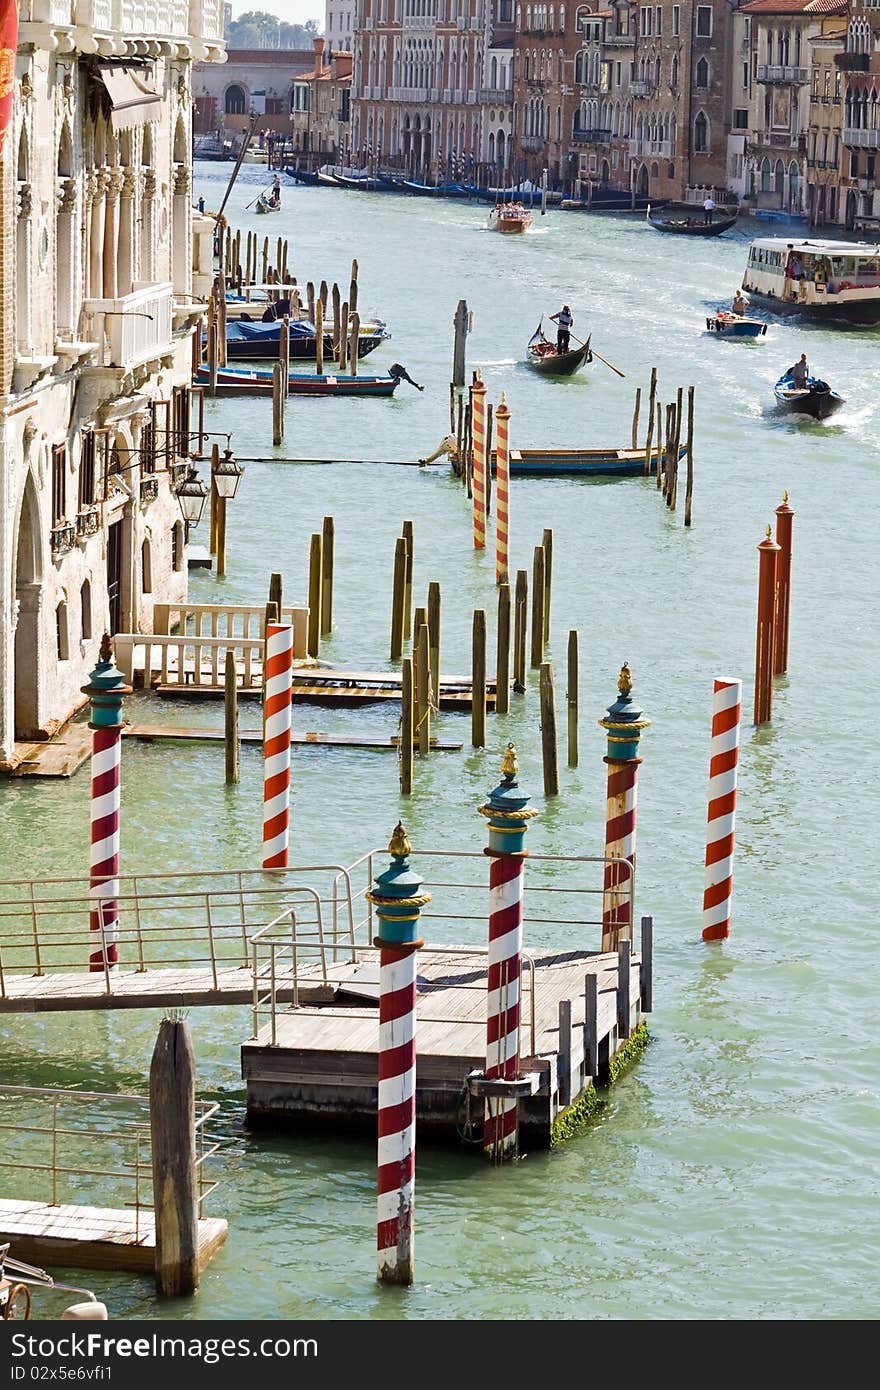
{"points": [[319, 54]]}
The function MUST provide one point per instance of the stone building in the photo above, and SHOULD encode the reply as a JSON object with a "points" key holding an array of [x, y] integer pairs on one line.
{"points": [[95, 338], [253, 80], [825, 122], [339, 25], [858, 62], [320, 118]]}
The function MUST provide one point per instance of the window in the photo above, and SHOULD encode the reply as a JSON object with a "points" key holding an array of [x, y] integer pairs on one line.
{"points": [[745, 77], [646, 21], [701, 134], [87, 470], [85, 611], [701, 74], [59, 484], [826, 91], [147, 567], [658, 20], [234, 102], [673, 74], [741, 119], [62, 637], [837, 84], [676, 21], [704, 21], [181, 402], [148, 446]]}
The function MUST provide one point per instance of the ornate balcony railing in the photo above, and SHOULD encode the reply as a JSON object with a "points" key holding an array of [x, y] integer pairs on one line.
{"points": [[776, 73], [863, 139], [596, 135], [62, 538], [135, 327], [88, 521], [853, 62]]}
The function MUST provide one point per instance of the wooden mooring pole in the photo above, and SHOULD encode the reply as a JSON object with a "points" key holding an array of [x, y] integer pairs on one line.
{"points": [[689, 485], [478, 679], [319, 338], [409, 536], [547, 543], [406, 727], [173, 1143], [765, 641], [328, 546], [635, 420], [649, 463], [502, 657], [277, 405], [423, 683], [398, 589], [571, 698], [433, 618], [316, 566], [784, 521], [538, 593], [549, 751], [459, 366], [230, 708], [520, 627]]}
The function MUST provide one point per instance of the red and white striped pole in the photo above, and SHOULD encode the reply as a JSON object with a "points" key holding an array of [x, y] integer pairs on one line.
{"points": [[723, 761], [624, 724], [105, 691], [276, 745], [478, 398], [502, 492], [508, 815], [398, 902]]}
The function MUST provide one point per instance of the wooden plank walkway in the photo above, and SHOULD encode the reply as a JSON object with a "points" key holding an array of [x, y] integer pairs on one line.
{"points": [[155, 732], [322, 1068], [59, 756], [183, 987], [322, 685], [79, 1237]]}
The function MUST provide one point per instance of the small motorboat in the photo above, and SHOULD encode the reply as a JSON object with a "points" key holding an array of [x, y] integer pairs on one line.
{"points": [[683, 219], [541, 354], [509, 217], [727, 325], [16, 1281], [815, 399], [264, 204]]}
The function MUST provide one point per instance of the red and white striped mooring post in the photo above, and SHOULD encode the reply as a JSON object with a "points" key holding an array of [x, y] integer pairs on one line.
{"points": [[276, 745], [508, 815], [105, 690], [481, 462], [502, 493], [624, 724], [395, 895], [724, 757]]}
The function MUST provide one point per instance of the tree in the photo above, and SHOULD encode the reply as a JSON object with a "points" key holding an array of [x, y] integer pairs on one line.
{"points": [[258, 29]]}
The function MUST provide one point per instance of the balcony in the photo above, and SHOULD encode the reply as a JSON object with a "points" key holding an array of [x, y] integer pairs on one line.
{"points": [[132, 329], [620, 40], [768, 73], [853, 62], [496, 96], [642, 87], [596, 135], [532, 142], [660, 149], [88, 522], [862, 139], [62, 538], [149, 489], [410, 93]]}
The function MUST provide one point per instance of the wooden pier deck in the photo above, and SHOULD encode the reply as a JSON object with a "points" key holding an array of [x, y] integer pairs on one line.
{"points": [[331, 686], [83, 1237], [317, 1064], [181, 988]]}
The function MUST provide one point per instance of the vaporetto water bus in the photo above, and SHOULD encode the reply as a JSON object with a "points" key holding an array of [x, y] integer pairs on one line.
{"points": [[833, 280]]}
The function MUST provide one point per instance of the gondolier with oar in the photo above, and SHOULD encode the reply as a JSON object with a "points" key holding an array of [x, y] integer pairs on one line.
{"points": [[563, 321]]}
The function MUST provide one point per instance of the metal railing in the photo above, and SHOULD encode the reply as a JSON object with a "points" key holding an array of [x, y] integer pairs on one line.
{"points": [[53, 1137]]}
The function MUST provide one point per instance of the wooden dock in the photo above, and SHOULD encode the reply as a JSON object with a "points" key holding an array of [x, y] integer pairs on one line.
{"points": [[151, 733], [330, 686], [81, 1237], [182, 988], [321, 1068], [58, 756]]}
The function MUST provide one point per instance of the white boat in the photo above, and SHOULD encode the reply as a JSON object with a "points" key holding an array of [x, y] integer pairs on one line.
{"points": [[831, 280], [16, 1281]]}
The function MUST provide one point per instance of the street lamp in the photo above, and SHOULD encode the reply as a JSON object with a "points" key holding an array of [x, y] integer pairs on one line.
{"points": [[192, 496], [227, 475]]}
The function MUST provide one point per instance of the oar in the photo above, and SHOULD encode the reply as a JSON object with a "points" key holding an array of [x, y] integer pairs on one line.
{"points": [[601, 358], [261, 194]]}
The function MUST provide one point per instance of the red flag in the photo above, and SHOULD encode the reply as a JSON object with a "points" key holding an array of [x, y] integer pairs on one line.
{"points": [[8, 46]]}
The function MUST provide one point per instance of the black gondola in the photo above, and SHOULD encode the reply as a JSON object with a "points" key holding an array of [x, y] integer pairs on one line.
{"points": [[684, 220], [543, 357]]}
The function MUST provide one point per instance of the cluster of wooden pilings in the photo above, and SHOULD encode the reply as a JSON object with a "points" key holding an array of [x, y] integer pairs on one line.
{"points": [[667, 431]]}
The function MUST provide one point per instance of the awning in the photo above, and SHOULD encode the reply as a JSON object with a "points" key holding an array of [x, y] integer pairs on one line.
{"points": [[132, 96]]}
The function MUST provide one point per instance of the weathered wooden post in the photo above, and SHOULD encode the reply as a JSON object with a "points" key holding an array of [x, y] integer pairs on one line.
{"points": [[571, 698], [649, 462], [406, 727], [538, 593], [328, 546], [230, 722], [398, 586], [105, 690], [319, 338], [423, 682], [284, 356], [173, 1151], [322, 297], [634, 438], [265, 269], [408, 534], [689, 485], [478, 679], [623, 724], [275, 595], [520, 627], [433, 617], [396, 894], [489, 409], [354, 331], [337, 307], [353, 287], [221, 535], [661, 457], [765, 640], [310, 298], [316, 565], [277, 405], [784, 520], [478, 399], [212, 357], [278, 692], [549, 748], [723, 761], [342, 339], [547, 543], [459, 365], [502, 655], [502, 492], [508, 814], [221, 323]]}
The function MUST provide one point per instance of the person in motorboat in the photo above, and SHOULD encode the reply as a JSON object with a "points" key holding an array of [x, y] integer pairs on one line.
{"points": [[564, 322], [739, 305], [800, 373]]}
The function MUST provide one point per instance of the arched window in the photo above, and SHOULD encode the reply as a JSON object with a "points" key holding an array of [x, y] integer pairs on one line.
{"points": [[62, 635], [65, 219], [85, 610], [673, 76], [234, 102], [147, 567], [701, 74], [701, 134], [23, 250], [779, 177], [765, 176]]}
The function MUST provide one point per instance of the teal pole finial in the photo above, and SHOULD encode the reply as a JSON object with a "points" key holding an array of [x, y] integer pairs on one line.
{"points": [[105, 689], [397, 897], [507, 810], [624, 722]]}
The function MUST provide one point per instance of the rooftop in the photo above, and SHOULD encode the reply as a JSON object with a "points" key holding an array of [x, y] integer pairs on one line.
{"points": [[805, 7]]}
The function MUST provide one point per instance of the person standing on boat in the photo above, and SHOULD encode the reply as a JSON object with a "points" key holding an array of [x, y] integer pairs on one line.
{"points": [[739, 304], [708, 209], [563, 321], [275, 195], [800, 373]]}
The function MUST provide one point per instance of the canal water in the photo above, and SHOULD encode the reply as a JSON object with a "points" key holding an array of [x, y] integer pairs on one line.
{"points": [[733, 1172]]}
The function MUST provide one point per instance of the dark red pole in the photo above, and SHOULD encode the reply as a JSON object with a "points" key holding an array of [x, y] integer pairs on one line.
{"points": [[784, 518], [764, 646]]}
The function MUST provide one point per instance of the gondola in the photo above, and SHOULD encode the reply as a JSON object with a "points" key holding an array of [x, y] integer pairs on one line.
{"points": [[364, 183], [249, 341], [264, 205], [245, 381], [542, 356], [683, 219], [815, 399], [302, 175]]}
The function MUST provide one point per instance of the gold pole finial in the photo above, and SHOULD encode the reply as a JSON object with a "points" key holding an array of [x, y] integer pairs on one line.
{"points": [[769, 535], [509, 764], [624, 683], [785, 498], [399, 845], [105, 652], [503, 399]]}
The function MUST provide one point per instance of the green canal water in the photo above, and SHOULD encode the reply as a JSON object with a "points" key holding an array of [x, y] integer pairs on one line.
{"points": [[733, 1172]]}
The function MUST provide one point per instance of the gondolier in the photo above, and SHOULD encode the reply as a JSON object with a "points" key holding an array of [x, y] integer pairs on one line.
{"points": [[564, 322], [708, 210]]}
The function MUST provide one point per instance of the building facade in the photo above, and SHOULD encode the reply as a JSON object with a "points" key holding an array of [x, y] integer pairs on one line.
{"points": [[825, 121], [252, 80], [95, 341], [320, 119], [339, 25], [859, 65]]}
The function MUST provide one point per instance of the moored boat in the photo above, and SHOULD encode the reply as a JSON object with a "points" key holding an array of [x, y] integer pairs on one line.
{"points": [[727, 325], [251, 381], [683, 219], [838, 281], [580, 463], [509, 217], [302, 175], [249, 341], [542, 355], [815, 399]]}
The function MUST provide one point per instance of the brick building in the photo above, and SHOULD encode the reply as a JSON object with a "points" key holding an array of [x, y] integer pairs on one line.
{"points": [[321, 108]]}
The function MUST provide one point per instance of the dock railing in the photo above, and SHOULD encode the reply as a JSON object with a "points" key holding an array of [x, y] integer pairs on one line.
{"points": [[194, 660], [90, 1148]]}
